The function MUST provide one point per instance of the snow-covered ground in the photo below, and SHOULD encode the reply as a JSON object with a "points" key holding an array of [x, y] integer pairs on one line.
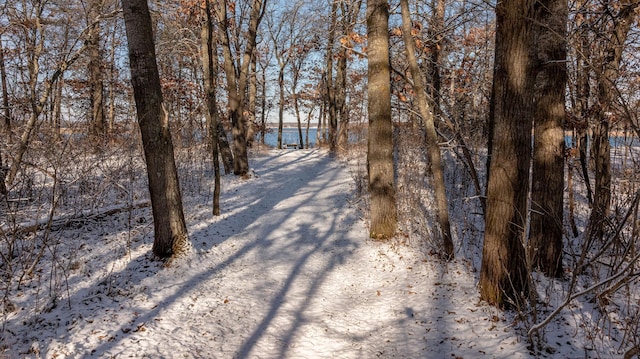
{"points": [[287, 271]]}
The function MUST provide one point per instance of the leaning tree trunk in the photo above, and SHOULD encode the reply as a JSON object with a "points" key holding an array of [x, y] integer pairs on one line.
{"points": [[504, 273], [380, 146], [166, 200], [547, 188], [435, 159]]}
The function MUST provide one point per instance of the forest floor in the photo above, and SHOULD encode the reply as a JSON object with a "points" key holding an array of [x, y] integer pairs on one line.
{"points": [[287, 271]]}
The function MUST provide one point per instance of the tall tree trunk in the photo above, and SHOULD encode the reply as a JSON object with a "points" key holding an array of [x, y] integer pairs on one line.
{"points": [[547, 188], [57, 109], [331, 95], [436, 32], [280, 105], [166, 200], [112, 82], [96, 82], [583, 93], [237, 80], [380, 144], [342, 115], [350, 11], [252, 100], [504, 273], [435, 160], [601, 151], [209, 65], [263, 107], [6, 121]]}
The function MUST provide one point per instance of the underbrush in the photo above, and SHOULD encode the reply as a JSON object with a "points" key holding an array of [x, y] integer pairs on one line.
{"points": [[594, 307]]}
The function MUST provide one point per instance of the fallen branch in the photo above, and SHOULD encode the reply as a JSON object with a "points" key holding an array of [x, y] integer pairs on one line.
{"points": [[66, 221]]}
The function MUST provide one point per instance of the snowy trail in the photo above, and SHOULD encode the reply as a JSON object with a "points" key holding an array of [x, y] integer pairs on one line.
{"points": [[286, 272]]}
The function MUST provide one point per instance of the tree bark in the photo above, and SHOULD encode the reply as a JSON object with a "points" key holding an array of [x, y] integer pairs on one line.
{"points": [[380, 144], [547, 188], [350, 10], [96, 82], [209, 65], [166, 200], [331, 111], [237, 79], [225, 149], [504, 273], [583, 93], [5, 95], [606, 76], [431, 137]]}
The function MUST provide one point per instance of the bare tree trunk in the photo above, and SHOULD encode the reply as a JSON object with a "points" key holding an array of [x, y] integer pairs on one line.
{"points": [[237, 80], [225, 149], [280, 105], [166, 200], [583, 94], [5, 96], [331, 111], [435, 160], [38, 103], [263, 106], [96, 83], [504, 273], [547, 188], [252, 100], [380, 146], [606, 77], [57, 109], [209, 66], [112, 83], [297, 110]]}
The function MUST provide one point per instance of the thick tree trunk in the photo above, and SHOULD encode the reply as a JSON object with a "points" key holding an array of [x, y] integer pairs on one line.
{"points": [[225, 149], [504, 273], [166, 200], [433, 150], [547, 191], [380, 144], [237, 80]]}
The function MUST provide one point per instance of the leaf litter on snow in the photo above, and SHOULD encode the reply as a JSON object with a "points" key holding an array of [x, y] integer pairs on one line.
{"points": [[287, 270]]}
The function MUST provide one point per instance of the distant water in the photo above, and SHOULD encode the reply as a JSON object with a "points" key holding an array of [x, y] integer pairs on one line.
{"points": [[289, 136]]}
